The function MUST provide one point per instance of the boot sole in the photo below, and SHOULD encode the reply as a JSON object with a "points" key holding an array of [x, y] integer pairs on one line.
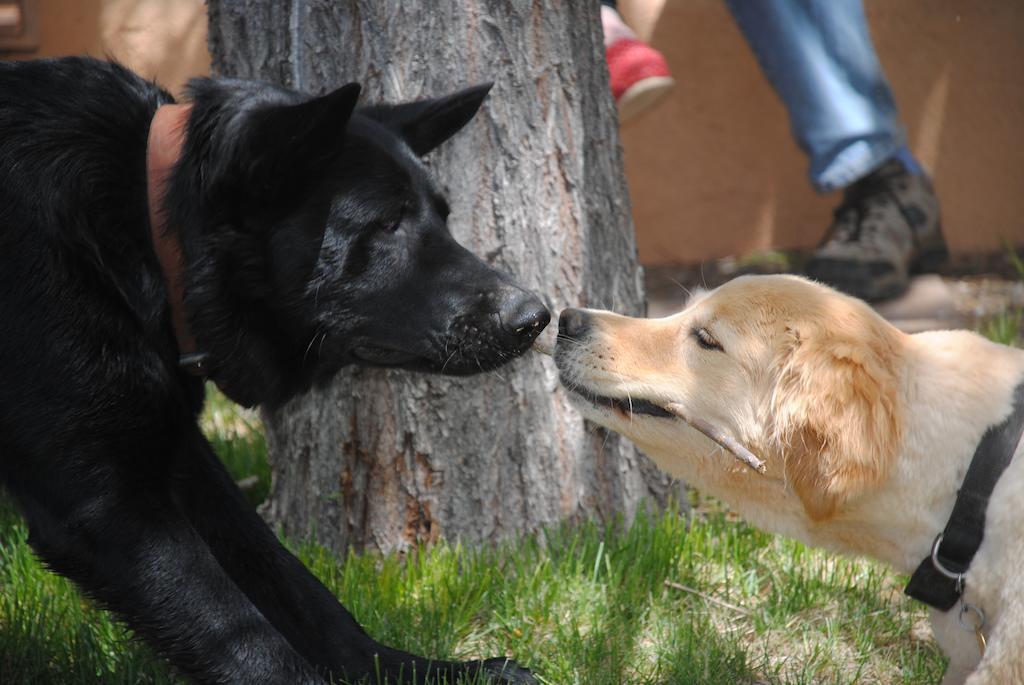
{"points": [[877, 281]]}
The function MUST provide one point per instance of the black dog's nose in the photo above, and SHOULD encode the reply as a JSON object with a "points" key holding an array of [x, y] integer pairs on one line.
{"points": [[573, 323], [524, 316]]}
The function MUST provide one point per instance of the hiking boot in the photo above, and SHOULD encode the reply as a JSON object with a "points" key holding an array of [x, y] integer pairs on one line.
{"points": [[886, 227]]}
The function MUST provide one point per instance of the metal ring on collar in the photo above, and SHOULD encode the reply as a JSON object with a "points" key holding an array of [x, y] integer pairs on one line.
{"points": [[958, 577], [965, 608]]}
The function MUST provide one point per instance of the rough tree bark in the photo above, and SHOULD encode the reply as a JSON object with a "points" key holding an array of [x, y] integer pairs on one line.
{"points": [[535, 182]]}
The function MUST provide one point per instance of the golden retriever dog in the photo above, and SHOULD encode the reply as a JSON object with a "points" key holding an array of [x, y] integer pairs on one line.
{"points": [[865, 432]]}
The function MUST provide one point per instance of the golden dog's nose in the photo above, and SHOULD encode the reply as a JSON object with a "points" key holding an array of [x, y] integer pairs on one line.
{"points": [[573, 323]]}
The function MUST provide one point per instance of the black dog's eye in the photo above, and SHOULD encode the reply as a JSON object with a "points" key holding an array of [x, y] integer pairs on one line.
{"points": [[706, 340], [389, 224]]}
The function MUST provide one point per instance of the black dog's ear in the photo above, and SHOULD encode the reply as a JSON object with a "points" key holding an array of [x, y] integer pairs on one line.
{"points": [[291, 139], [427, 123]]}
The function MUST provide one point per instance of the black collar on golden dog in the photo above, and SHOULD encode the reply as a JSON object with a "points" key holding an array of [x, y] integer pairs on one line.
{"points": [[939, 580]]}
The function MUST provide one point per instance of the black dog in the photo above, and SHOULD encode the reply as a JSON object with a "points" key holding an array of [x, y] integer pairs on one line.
{"points": [[290, 236]]}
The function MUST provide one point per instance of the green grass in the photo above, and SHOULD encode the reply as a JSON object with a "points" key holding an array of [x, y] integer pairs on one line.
{"points": [[1005, 327], [661, 602], [237, 436]]}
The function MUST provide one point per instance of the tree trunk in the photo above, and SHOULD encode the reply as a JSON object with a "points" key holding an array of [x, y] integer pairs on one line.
{"points": [[386, 459]]}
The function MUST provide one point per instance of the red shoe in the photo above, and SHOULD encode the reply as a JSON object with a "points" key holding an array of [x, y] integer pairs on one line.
{"points": [[639, 76]]}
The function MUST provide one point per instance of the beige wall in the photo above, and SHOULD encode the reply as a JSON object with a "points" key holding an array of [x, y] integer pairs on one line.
{"points": [[160, 39], [714, 171]]}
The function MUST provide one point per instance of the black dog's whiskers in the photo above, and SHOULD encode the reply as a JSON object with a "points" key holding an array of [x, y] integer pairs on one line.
{"points": [[450, 357], [494, 372], [310, 345], [320, 347]]}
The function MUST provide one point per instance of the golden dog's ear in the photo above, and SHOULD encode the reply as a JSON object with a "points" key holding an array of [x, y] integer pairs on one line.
{"points": [[836, 407]]}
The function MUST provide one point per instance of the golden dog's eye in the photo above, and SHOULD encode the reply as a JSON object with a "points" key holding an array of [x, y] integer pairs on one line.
{"points": [[706, 340]]}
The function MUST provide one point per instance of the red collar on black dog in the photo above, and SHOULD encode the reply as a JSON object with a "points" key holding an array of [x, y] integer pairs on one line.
{"points": [[166, 137]]}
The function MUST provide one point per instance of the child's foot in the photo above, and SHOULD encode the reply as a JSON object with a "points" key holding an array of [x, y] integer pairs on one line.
{"points": [[638, 73]]}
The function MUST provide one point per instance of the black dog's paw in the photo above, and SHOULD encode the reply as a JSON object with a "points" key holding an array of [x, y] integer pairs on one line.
{"points": [[502, 671]]}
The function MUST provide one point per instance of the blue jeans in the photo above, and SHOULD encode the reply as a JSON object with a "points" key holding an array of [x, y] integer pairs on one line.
{"points": [[819, 57]]}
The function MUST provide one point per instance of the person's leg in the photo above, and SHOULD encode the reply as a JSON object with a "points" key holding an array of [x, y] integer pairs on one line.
{"points": [[612, 24], [819, 57], [638, 73]]}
